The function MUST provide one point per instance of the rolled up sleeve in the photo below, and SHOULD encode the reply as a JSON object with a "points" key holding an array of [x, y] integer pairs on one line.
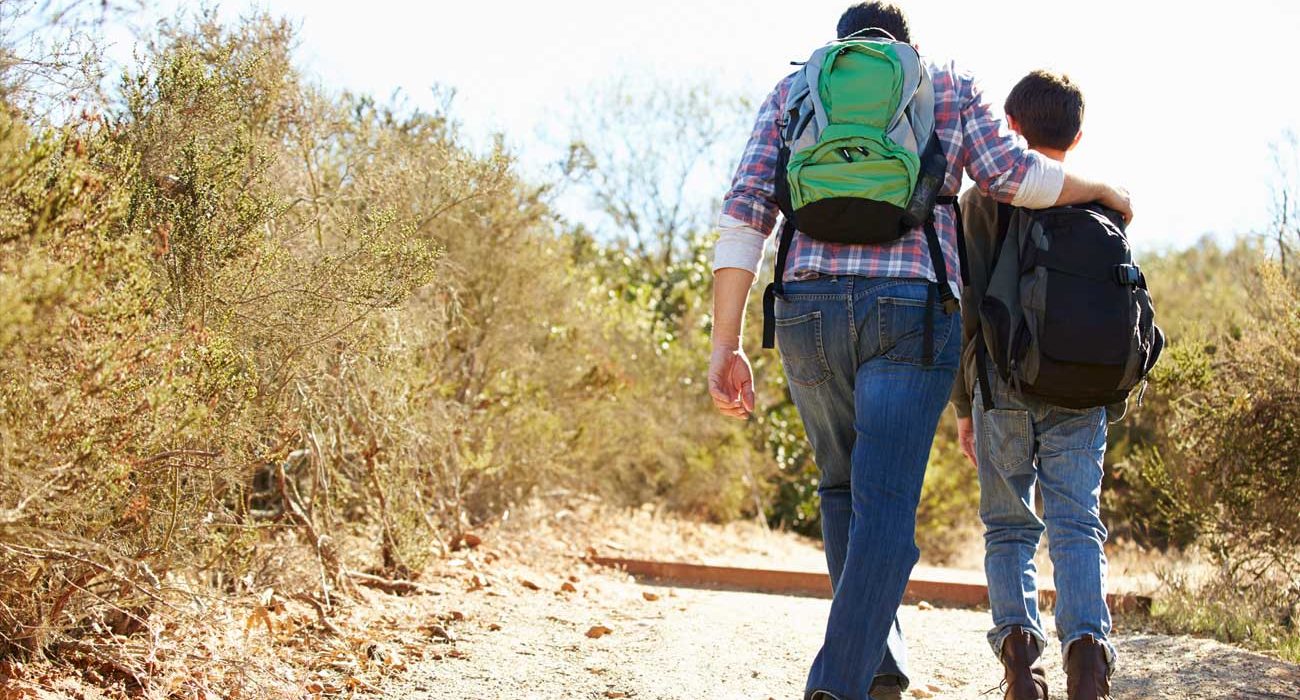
{"points": [[739, 246]]}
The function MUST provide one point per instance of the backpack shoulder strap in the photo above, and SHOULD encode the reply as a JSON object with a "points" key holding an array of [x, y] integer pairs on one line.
{"points": [[1005, 211], [776, 287]]}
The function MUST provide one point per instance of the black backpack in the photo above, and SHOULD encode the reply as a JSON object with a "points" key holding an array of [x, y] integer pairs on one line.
{"points": [[1067, 317]]}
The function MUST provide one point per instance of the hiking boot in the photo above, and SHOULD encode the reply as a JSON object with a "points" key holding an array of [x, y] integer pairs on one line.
{"points": [[1087, 671], [886, 688], [1025, 678]]}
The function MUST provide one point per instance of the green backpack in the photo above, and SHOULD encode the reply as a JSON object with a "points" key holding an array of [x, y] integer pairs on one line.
{"points": [[859, 160]]}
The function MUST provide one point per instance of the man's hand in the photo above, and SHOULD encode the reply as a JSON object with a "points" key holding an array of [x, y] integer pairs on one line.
{"points": [[1117, 198], [966, 438], [731, 382], [1081, 190]]}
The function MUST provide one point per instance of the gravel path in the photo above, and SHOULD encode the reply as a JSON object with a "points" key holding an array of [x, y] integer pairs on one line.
{"points": [[717, 644]]}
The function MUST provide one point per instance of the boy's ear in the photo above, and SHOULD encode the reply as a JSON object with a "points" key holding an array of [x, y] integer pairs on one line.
{"points": [[1011, 124], [1075, 142]]}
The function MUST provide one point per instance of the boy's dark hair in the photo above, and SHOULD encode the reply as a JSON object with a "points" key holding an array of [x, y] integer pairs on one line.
{"points": [[874, 15], [1048, 108]]}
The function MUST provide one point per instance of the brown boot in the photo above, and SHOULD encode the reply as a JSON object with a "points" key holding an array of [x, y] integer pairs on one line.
{"points": [[1086, 670], [1025, 678]]}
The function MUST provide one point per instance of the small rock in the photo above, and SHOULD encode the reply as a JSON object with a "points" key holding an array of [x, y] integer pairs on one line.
{"points": [[530, 585], [568, 587], [920, 693], [599, 631], [924, 605], [652, 597], [465, 540]]}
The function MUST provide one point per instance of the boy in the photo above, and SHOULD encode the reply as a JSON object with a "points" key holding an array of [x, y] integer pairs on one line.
{"points": [[1024, 442]]}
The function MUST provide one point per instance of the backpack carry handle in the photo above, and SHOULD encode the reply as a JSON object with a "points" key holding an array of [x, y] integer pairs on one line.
{"points": [[861, 34]]}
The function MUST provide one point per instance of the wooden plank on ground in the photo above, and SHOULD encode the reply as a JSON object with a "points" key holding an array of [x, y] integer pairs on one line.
{"points": [[803, 583]]}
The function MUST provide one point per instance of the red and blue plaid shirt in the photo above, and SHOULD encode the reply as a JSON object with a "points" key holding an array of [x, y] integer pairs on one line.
{"points": [[974, 138]]}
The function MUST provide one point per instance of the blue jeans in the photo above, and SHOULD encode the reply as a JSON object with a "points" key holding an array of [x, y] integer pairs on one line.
{"points": [[1021, 443], [853, 353]]}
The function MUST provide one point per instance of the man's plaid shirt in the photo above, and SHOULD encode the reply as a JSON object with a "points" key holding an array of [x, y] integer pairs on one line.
{"points": [[974, 138]]}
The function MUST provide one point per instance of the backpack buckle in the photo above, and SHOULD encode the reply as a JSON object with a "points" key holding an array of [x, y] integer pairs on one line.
{"points": [[1128, 275]]}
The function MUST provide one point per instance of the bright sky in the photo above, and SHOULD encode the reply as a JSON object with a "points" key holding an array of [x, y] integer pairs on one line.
{"points": [[1184, 98]]}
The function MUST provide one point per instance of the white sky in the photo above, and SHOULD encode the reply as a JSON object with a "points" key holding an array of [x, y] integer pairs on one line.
{"points": [[1184, 98]]}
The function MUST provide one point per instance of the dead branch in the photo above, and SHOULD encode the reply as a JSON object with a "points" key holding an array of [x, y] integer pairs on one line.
{"points": [[395, 586], [321, 615], [331, 569]]}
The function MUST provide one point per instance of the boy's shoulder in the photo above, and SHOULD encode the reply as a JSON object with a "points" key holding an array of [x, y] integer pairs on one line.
{"points": [[977, 208], [972, 197]]}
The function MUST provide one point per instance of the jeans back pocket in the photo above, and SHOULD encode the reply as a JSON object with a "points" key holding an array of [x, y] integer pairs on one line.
{"points": [[802, 354], [1007, 437], [902, 329]]}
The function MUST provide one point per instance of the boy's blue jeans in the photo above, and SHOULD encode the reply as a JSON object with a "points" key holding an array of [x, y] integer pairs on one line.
{"points": [[1021, 443], [853, 352]]}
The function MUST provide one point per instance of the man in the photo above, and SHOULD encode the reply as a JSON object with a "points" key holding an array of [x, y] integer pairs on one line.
{"points": [[1060, 448], [850, 328]]}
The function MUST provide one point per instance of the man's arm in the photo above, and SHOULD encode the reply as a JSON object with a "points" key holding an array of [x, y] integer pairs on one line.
{"points": [[749, 215], [1080, 190]]}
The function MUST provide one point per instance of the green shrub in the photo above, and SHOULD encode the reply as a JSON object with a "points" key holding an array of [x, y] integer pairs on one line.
{"points": [[241, 304]]}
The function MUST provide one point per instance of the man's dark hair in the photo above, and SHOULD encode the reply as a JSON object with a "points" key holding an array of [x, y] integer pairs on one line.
{"points": [[874, 15], [1048, 108]]}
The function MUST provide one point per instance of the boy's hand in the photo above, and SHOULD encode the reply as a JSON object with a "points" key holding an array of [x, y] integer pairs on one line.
{"points": [[966, 438], [731, 382]]}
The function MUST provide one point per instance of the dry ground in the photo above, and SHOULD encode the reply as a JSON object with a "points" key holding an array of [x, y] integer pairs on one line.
{"points": [[675, 643], [513, 618]]}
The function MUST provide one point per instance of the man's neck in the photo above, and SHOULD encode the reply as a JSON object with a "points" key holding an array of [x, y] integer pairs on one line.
{"points": [[1053, 153]]}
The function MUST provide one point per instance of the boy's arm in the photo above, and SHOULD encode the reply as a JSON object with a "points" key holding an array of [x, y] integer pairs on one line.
{"points": [[979, 219]]}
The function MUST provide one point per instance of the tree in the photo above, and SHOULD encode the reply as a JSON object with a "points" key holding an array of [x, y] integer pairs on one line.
{"points": [[1284, 230], [653, 160]]}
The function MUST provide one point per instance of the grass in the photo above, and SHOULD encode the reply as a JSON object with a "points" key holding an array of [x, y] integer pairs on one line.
{"points": [[1261, 616]]}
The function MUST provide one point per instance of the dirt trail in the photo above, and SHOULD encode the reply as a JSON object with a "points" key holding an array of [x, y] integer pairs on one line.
{"points": [[715, 644], [519, 642]]}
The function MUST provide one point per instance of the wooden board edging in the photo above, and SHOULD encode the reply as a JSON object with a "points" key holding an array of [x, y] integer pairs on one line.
{"points": [[803, 583]]}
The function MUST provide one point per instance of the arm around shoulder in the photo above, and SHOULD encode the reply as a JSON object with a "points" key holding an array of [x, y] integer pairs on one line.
{"points": [[1077, 189]]}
